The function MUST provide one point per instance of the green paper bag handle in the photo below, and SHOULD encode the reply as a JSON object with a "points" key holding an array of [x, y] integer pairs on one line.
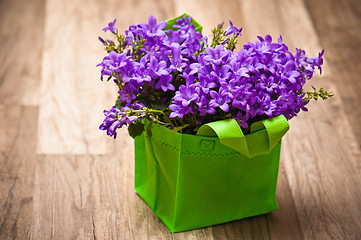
{"points": [[231, 135], [173, 21]]}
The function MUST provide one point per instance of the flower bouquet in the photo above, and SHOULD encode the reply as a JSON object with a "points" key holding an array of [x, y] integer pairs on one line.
{"points": [[207, 120]]}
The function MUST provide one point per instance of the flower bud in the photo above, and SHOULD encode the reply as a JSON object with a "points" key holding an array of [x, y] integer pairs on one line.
{"points": [[110, 42], [102, 40]]}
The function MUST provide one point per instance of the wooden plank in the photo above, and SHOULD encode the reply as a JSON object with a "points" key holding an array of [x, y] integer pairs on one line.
{"points": [[19, 77], [72, 97], [9, 126], [338, 24], [63, 198], [20, 61], [319, 183], [17, 179], [21, 51]]}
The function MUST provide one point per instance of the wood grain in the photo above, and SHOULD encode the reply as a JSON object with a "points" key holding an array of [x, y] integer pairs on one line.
{"points": [[62, 178], [69, 87], [339, 24]]}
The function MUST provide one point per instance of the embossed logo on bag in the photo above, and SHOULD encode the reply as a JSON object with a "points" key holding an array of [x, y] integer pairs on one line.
{"points": [[207, 144]]}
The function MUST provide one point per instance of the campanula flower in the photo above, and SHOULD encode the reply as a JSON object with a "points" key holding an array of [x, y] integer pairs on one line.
{"points": [[186, 95], [154, 29], [242, 119], [204, 107], [111, 27], [232, 29], [220, 100], [175, 73], [164, 83], [177, 60], [157, 68]]}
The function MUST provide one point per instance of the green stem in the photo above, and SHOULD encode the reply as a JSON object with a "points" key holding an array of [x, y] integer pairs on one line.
{"points": [[162, 123], [148, 111]]}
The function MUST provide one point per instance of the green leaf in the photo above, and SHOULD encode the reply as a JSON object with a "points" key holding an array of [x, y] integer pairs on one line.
{"points": [[135, 129], [117, 103]]}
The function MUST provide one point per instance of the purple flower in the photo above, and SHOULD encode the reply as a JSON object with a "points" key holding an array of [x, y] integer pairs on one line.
{"points": [[192, 42], [242, 119], [164, 83], [141, 71], [189, 78], [104, 72], [205, 83], [111, 27], [220, 100], [290, 72], [111, 122], [204, 107], [242, 72], [266, 106], [221, 73], [116, 61], [232, 29], [186, 95], [177, 60], [183, 23], [269, 84], [176, 72], [241, 95], [156, 68], [316, 61], [111, 131], [118, 64], [178, 111], [154, 29], [127, 94], [229, 87], [135, 32], [116, 118], [201, 67], [217, 55]]}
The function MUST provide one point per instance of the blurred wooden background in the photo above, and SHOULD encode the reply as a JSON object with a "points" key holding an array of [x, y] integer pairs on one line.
{"points": [[62, 178]]}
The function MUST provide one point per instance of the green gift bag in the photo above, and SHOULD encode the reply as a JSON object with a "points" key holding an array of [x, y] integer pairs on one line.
{"points": [[216, 176]]}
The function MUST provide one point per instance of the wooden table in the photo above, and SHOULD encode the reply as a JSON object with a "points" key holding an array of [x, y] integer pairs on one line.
{"points": [[62, 178]]}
